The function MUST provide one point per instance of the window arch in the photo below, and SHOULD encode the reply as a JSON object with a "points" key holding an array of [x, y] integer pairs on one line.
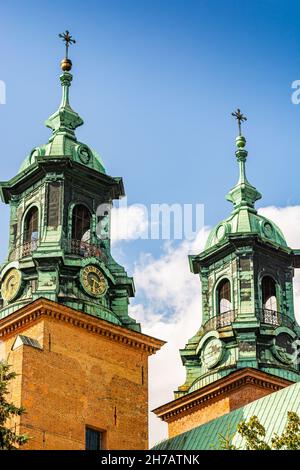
{"points": [[224, 303], [81, 223], [269, 296], [31, 225]]}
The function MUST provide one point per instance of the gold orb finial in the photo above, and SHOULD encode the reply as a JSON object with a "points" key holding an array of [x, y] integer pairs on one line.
{"points": [[66, 65]]}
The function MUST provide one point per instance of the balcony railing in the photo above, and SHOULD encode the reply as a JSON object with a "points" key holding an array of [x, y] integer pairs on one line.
{"points": [[21, 251], [270, 317], [273, 318], [220, 321], [84, 249], [73, 247], [265, 316]]}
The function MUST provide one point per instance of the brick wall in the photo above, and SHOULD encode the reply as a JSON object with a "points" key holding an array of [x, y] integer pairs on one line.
{"points": [[79, 379], [217, 407]]}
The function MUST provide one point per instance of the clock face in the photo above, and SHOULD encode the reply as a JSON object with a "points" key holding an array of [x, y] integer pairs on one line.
{"points": [[11, 284], [213, 352], [283, 348], [93, 281]]}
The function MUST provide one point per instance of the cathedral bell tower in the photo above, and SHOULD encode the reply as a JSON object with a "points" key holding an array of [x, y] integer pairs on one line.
{"points": [[245, 347], [81, 360], [59, 244]]}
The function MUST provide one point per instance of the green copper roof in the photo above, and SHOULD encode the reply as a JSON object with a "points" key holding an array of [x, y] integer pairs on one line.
{"points": [[244, 222], [271, 411], [63, 140], [244, 218]]}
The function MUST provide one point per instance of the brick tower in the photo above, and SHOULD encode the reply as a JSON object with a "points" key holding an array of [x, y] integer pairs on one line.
{"points": [[82, 360]]}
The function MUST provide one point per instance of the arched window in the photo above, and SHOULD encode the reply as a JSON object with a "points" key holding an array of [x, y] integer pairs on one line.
{"points": [[31, 225], [224, 296], [269, 298], [81, 223]]}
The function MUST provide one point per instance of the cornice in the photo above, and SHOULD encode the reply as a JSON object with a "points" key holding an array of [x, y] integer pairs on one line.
{"points": [[234, 242], [196, 400], [44, 308]]}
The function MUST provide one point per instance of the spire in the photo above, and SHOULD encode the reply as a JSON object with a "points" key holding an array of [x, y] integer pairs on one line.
{"points": [[64, 121], [243, 194]]}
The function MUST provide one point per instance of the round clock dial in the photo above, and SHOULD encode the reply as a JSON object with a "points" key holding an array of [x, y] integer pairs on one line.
{"points": [[213, 352], [93, 281], [11, 284], [283, 348]]}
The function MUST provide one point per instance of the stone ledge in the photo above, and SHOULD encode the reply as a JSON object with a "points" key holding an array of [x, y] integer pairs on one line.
{"points": [[40, 308], [218, 390]]}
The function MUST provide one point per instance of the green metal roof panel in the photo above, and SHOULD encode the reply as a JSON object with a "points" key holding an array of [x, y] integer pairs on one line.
{"points": [[244, 222], [271, 411]]}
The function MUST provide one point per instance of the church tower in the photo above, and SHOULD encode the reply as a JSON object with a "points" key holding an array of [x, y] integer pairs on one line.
{"points": [[82, 360], [245, 347]]}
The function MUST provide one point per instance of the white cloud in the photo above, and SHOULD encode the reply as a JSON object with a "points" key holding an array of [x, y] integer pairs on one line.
{"points": [[287, 219], [128, 223], [170, 308]]}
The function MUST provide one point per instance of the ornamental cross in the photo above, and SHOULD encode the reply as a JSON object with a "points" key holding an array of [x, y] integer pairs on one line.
{"points": [[67, 38], [240, 118]]}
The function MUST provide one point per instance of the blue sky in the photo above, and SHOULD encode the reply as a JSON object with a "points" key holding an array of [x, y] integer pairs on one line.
{"points": [[156, 82]]}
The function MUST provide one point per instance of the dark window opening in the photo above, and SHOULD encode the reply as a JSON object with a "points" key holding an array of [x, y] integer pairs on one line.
{"points": [[81, 224], [31, 226], [224, 296], [269, 298], [93, 439]]}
